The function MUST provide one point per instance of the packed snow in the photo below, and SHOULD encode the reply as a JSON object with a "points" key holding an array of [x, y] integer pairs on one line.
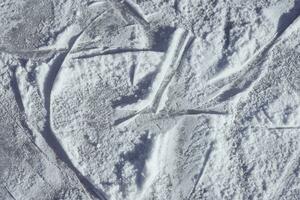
{"points": [[149, 100]]}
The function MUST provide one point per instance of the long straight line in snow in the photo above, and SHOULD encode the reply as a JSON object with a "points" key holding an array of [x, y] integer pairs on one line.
{"points": [[178, 46], [202, 169]]}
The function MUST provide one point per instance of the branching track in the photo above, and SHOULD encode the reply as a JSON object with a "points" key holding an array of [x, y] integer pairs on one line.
{"points": [[48, 134], [252, 66]]}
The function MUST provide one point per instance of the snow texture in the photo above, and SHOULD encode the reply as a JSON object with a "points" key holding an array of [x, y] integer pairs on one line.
{"points": [[149, 100]]}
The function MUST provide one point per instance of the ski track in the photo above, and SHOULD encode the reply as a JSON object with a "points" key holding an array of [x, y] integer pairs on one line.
{"points": [[239, 155], [132, 71], [131, 12], [111, 52], [176, 6], [202, 169], [179, 44], [180, 113], [59, 61], [39, 175], [136, 10], [96, 3], [196, 112], [284, 127], [9, 193], [34, 53], [267, 115], [52, 142], [253, 62], [23, 125], [123, 120], [48, 134]]}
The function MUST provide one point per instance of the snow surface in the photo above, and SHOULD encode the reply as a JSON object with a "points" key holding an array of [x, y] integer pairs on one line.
{"points": [[149, 100]]}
